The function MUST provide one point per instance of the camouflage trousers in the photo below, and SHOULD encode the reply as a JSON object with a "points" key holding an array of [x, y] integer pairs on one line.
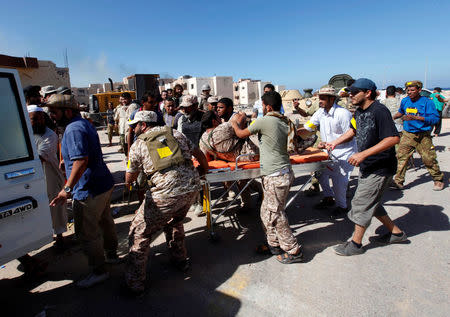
{"points": [[273, 217], [424, 145], [152, 216]]}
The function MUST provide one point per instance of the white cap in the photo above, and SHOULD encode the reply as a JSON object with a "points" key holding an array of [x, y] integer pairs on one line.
{"points": [[34, 108]]}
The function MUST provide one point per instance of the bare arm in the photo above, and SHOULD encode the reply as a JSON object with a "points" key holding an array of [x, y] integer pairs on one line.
{"points": [[78, 168], [202, 160], [397, 116], [304, 133], [381, 146], [130, 138], [130, 177]]}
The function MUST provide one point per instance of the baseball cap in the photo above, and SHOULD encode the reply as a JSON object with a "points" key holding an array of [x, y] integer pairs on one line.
{"points": [[415, 83], [188, 100], [144, 116], [62, 101], [362, 84], [34, 108], [328, 90], [47, 90]]}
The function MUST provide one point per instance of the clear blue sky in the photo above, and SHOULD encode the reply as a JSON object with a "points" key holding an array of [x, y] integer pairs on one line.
{"points": [[296, 43]]}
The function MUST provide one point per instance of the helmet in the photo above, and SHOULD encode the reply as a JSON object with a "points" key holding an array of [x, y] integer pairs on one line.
{"points": [[206, 87]]}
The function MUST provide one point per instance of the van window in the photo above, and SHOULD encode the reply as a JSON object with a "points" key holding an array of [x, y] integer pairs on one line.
{"points": [[15, 144]]}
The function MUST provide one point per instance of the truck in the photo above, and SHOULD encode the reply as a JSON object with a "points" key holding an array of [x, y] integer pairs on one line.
{"points": [[138, 85], [25, 220]]}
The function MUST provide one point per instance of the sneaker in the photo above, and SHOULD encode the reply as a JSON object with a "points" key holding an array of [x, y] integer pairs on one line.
{"points": [[181, 265], [389, 238], [198, 210], [92, 279], [438, 185], [325, 203], [396, 185], [111, 257], [347, 249]]}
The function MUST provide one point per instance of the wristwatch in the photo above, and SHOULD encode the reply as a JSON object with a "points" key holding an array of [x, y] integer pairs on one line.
{"points": [[68, 189]]}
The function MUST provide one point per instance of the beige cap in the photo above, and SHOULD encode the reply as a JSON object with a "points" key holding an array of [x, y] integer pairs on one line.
{"points": [[62, 101], [327, 90], [188, 100], [144, 116]]}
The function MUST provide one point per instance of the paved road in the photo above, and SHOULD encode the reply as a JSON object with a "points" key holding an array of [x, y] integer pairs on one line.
{"points": [[228, 279]]}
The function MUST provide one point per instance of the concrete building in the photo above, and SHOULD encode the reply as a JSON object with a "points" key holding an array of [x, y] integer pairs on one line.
{"points": [[248, 91], [222, 86], [37, 72], [194, 85]]}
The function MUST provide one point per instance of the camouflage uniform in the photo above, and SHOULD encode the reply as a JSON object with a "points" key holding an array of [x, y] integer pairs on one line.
{"points": [[164, 207], [421, 142], [276, 225]]}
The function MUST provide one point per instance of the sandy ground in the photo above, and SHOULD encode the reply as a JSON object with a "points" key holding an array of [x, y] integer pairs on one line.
{"points": [[228, 279]]}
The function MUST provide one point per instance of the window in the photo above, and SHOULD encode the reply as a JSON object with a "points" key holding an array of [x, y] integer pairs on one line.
{"points": [[15, 143], [192, 86]]}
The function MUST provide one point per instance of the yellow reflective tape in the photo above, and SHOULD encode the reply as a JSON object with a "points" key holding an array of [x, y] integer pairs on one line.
{"points": [[411, 110], [164, 152], [128, 163], [310, 125], [353, 123]]}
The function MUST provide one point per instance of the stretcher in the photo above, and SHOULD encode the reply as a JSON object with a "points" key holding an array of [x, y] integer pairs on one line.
{"points": [[311, 160]]}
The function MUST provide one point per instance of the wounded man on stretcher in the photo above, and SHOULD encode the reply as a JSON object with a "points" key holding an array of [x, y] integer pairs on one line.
{"points": [[219, 142]]}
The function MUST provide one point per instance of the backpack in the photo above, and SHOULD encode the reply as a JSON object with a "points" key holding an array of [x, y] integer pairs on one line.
{"points": [[163, 148]]}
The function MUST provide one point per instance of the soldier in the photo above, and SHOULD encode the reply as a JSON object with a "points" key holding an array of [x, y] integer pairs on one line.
{"points": [[419, 115], [164, 155], [203, 99], [273, 130]]}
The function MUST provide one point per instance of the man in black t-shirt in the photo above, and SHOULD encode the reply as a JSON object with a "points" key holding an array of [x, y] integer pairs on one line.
{"points": [[376, 137]]}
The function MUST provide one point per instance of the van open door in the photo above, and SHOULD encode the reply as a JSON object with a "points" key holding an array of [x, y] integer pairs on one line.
{"points": [[25, 221]]}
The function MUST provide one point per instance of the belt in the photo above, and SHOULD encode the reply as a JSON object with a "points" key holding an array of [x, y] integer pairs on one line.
{"points": [[281, 172]]}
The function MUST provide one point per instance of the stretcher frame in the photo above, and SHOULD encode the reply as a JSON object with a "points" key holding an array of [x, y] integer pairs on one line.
{"points": [[237, 174]]}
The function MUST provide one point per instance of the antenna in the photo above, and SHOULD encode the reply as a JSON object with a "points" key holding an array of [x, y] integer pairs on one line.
{"points": [[66, 59], [426, 71]]}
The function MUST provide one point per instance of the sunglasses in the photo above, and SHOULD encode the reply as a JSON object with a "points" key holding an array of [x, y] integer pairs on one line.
{"points": [[354, 92]]}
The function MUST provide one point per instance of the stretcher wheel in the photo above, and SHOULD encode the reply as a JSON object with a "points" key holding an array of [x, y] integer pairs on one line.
{"points": [[214, 237]]}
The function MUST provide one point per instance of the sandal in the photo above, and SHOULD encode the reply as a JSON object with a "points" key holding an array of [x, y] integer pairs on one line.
{"points": [[287, 258], [265, 249]]}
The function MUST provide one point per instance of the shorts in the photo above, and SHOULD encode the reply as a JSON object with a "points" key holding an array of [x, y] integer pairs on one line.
{"points": [[367, 200]]}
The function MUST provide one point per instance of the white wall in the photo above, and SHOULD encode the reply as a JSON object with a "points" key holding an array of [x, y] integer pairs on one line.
{"points": [[279, 88], [194, 85], [260, 86], [248, 92]]}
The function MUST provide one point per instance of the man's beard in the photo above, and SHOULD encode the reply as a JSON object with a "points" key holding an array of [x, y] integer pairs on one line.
{"points": [[63, 122], [39, 129]]}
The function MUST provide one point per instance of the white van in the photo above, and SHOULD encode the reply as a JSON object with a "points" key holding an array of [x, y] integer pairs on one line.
{"points": [[25, 221]]}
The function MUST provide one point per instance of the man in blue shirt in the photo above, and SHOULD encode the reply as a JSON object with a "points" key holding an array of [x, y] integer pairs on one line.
{"points": [[90, 185], [419, 115]]}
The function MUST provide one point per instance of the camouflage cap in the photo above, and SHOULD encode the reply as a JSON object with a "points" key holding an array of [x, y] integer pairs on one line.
{"points": [[144, 116], [47, 90], [62, 101], [213, 99], [327, 90], [188, 101], [414, 83]]}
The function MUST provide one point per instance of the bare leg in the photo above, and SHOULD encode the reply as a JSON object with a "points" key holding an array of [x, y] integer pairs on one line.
{"points": [[389, 224], [358, 234]]}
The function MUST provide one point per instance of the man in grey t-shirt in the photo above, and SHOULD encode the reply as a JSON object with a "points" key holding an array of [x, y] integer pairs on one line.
{"points": [[393, 103], [273, 130]]}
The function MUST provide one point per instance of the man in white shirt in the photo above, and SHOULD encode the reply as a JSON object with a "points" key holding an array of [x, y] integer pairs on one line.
{"points": [[121, 118], [333, 121]]}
